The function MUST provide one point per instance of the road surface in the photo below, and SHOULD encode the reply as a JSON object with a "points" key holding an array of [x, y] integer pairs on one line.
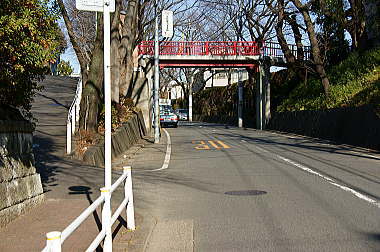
{"points": [[231, 189]]}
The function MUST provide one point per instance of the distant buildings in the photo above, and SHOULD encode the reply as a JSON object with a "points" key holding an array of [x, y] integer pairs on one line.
{"points": [[219, 77]]}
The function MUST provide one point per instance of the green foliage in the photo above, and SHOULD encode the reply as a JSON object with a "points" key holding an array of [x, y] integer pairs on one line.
{"points": [[222, 100], [354, 82], [29, 37], [64, 68]]}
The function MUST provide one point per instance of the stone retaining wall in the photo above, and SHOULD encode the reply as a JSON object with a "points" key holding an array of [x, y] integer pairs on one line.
{"points": [[355, 126], [20, 185], [122, 139]]}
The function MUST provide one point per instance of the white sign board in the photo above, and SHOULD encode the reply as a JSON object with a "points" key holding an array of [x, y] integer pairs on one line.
{"points": [[167, 24], [94, 5]]}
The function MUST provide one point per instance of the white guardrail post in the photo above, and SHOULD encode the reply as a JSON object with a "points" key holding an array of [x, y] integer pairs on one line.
{"points": [[73, 116], [106, 219], [68, 137], [129, 195], [53, 242], [55, 239]]}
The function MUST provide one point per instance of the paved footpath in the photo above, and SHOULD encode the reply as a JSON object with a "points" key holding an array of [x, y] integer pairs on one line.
{"points": [[69, 186]]}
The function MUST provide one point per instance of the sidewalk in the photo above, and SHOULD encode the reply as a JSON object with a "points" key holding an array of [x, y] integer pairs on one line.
{"points": [[69, 186]]}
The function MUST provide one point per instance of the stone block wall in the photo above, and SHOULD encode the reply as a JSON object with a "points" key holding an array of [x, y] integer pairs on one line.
{"points": [[355, 126], [122, 139], [20, 185]]}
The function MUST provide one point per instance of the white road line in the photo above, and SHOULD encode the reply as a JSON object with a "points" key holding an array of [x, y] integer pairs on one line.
{"points": [[327, 144], [328, 179], [165, 165], [332, 182]]}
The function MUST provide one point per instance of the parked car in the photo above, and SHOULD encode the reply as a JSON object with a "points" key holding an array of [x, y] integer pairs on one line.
{"points": [[168, 117], [182, 114]]}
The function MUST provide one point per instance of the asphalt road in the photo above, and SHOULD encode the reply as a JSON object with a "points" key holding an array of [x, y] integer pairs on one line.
{"points": [[230, 189]]}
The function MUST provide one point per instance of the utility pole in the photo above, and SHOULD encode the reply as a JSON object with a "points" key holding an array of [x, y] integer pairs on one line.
{"points": [[156, 81], [240, 82], [106, 213], [240, 96], [191, 99]]}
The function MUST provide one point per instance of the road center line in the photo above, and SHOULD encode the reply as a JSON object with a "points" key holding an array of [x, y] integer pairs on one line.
{"points": [[326, 178]]}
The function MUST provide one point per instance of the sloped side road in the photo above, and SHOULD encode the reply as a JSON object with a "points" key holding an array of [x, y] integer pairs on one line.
{"points": [[69, 186]]}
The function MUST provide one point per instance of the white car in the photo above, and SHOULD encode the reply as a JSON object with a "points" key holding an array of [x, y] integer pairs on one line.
{"points": [[168, 118]]}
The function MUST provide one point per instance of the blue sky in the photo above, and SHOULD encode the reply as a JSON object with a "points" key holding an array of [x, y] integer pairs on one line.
{"points": [[70, 56]]}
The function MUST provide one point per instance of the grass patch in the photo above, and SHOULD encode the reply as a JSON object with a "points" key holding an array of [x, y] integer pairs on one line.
{"points": [[353, 82]]}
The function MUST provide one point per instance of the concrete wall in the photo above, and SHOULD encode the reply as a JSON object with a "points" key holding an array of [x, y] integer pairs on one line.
{"points": [[20, 185], [122, 139], [355, 126]]}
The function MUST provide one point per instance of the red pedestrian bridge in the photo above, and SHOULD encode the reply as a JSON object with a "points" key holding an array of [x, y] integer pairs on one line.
{"points": [[218, 53]]}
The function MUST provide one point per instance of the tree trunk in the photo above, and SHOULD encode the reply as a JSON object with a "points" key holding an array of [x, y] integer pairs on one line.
{"points": [[93, 90], [290, 59], [316, 52], [127, 45], [115, 57], [70, 30], [293, 63]]}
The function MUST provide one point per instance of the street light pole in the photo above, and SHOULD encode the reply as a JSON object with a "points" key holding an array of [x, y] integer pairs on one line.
{"points": [[156, 81], [240, 81]]}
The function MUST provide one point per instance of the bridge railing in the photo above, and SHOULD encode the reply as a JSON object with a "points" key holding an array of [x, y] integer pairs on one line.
{"points": [[220, 48], [200, 48], [273, 49]]}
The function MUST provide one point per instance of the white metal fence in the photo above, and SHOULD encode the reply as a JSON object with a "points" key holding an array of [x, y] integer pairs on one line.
{"points": [[55, 239], [73, 116]]}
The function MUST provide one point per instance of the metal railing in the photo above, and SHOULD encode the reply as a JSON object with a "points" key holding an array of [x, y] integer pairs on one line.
{"points": [[199, 48], [54, 240], [73, 116], [273, 49], [221, 48]]}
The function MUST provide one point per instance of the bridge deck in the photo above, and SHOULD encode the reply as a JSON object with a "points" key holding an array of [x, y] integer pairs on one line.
{"points": [[217, 53]]}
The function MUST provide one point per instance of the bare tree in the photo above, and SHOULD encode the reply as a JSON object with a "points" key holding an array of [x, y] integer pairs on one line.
{"points": [[304, 10], [129, 24]]}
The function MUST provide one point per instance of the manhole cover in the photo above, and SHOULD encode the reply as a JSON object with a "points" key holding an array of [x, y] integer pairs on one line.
{"points": [[246, 193]]}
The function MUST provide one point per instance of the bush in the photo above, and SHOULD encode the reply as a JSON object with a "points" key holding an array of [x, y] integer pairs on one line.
{"points": [[64, 68], [29, 40]]}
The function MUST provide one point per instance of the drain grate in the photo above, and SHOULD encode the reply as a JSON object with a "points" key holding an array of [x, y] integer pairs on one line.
{"points": [[246, 193]]}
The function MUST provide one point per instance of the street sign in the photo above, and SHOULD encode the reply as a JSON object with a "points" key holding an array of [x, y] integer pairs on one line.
{"points": [[167, 24], [95, 5]]}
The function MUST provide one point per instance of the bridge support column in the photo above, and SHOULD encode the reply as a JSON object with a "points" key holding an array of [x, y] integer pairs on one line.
{"points": [[263, 96]]}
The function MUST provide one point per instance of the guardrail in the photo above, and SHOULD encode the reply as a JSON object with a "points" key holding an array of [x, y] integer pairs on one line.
{"points": [[73, 116], [55, 239]]}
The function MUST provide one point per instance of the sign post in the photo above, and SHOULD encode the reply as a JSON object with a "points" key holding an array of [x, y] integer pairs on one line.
{"points": [[105, 6]]}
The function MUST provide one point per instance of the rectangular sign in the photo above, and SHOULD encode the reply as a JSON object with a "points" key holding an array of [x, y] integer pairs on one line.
{"points": [[167, 24], [94, 5]]}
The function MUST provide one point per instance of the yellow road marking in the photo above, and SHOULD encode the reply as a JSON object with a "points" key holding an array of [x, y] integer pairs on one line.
{"points": [[225, 146], [201, 146], [214, 145]]}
